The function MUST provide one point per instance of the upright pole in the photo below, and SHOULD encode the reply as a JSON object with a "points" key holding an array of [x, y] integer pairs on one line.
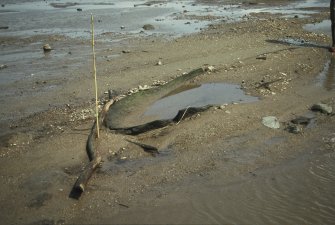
{"points": [[95, 78], [332, 20]]}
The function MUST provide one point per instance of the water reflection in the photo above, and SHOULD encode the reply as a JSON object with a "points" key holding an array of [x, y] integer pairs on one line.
{"points": [[326, 78], [197, 96]]}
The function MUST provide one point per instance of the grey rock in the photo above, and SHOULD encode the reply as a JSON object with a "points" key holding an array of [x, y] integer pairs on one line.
{"points": [[271, 122], [302, 120], [323, 108], [3, 66], [293, 128], [148, 27], [47, 48]]}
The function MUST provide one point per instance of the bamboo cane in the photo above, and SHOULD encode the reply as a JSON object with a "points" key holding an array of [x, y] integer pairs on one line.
{"points": [[95, 78]]}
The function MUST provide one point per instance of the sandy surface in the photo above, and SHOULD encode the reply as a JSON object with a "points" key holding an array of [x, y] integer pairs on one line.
{"points": [[42, 155]]}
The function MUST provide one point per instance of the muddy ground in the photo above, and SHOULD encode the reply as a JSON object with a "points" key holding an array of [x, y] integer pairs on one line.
{"points": [[43, 154]]}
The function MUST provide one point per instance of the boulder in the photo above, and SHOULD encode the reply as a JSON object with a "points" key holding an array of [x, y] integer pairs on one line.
{"points": [[271, 122]]}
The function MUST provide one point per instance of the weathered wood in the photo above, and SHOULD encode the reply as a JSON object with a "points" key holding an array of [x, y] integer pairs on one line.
{"points": [[147, 148], [93, 155], [266, 85], [85, 175], [156, 124]]}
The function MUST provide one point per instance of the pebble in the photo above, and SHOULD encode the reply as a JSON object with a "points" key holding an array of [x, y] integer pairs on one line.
{"points": [[143, 88], [209, 68], [47, 48], [3, 66], [148, 27]]}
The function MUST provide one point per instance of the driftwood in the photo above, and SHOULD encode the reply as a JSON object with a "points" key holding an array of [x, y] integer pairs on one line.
{"points": [[93, 155], [156, 124], [147, 148], [266, 85]]}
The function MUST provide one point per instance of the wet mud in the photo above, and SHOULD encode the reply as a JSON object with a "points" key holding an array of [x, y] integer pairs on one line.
{"points": [[219, 165]]}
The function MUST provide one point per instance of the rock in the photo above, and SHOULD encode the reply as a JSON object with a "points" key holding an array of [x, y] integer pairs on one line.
{"points": [[302, 120], [3, 66], [122, 27], [125, 51], [4, 28], [262, 57], [47, 48], [323, 108], [159, 63], [271, 122], [209, 68], [79, 9], [292, 128], [143, 88], [148, 27]]}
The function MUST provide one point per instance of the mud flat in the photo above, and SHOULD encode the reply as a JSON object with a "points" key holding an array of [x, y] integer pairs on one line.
{"points": [[212, 165]]}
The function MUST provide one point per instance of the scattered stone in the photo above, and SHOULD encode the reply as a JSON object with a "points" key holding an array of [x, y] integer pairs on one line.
{"points": [[158, 82], [262, 57], [148, 27], [209, 68], [4, 28], [159, 63], [122, 27], [125, 51], [271, 122], [323, 108], [47, 48], [79, 9], [294, 129], [3, 66], [143, 88]]}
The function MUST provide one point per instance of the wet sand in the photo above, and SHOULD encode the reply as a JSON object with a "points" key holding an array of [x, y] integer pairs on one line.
{"points": [[212, 167]]}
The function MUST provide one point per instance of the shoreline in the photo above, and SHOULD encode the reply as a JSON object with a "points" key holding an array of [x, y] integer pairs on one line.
{"points": [[43, 157]]}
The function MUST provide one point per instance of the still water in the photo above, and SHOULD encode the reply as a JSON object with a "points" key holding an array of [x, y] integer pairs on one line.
{"points": [[298, 191], [197, 96]]}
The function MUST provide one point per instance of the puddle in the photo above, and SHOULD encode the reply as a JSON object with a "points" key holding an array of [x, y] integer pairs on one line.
{"points": [[197, 96], [326, 78], [324, 27], [297, 42]]}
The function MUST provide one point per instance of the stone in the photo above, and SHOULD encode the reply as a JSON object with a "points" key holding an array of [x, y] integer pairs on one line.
{"points": [[209, 68], [294, 129], [3, 66], [271, 122], [79, 9], [143, 88], [148, 27], [323, 108], [47, 48]]}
